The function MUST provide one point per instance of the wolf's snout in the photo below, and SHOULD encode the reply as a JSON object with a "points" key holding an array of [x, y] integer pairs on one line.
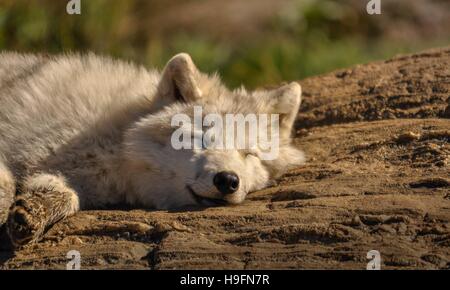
{"points": [[226, 182]]}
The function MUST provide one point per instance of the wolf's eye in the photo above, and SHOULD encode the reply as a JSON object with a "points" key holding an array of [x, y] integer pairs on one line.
{"points": [[250, 153]]}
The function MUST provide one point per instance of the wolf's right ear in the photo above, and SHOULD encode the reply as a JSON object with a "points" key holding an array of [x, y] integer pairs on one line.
{"points": [[285, 101], [179, 80]]}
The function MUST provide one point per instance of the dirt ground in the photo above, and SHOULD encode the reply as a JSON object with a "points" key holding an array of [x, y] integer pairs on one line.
{"points": [[377, 178]]}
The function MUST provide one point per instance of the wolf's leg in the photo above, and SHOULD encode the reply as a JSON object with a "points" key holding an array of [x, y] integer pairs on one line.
{"points": [[7, 192], [44, 200]]}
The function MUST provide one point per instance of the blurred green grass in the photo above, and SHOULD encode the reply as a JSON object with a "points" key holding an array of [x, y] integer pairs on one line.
{"points": [[309, 38]]}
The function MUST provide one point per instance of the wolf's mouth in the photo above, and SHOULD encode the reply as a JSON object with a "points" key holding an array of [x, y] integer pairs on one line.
{"points": [[201, 199]]}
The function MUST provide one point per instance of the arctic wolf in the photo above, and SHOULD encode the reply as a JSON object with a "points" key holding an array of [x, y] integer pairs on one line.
{"points": [[87, 132]]}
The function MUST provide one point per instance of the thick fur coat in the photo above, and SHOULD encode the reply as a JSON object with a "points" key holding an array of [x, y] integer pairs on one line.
{"points": [[84, 132]]}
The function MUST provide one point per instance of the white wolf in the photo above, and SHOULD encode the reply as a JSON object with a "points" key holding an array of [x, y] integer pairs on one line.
{"points": [[82, 132]]}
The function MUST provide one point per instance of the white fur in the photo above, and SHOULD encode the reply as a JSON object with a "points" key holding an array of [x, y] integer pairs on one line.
{"points": [[101, 129]]}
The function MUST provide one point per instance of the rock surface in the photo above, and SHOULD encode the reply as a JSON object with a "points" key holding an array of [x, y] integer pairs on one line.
{"points": [[378, 178]]}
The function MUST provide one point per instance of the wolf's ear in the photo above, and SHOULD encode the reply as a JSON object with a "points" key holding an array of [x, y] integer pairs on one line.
{"points": [[285, 101], [179, 80]]}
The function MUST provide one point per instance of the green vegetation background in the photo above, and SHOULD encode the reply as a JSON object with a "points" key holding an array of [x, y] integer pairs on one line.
{"points": [[307, 38]]}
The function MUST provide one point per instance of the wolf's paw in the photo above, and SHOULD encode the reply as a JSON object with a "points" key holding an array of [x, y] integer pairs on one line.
{"points": [[25, 223]]}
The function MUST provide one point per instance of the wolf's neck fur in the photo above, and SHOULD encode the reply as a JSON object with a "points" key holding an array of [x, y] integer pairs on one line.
{"points": [[110, 167]]}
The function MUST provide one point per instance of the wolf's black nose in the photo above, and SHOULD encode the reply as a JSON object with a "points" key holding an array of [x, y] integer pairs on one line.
{"points": [[227, 182]]}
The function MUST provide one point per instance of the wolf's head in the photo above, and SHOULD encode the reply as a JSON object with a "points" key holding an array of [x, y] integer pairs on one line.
{"points": [[165, 175]]}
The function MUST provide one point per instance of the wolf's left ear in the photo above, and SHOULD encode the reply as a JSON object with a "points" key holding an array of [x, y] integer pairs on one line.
{"points": [[285, 101], [179, 80]]}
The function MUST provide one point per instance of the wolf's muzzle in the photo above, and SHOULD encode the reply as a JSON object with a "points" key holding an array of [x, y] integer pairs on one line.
{"points": [[226, 182]]}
